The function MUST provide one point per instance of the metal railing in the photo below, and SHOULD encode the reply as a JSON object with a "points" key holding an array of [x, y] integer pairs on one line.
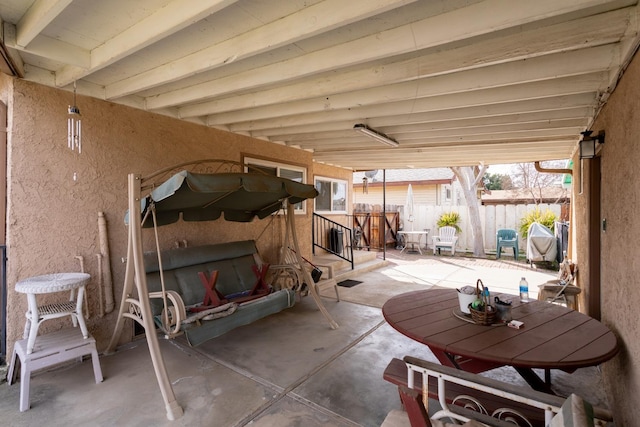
{"points": [[333, 237]]}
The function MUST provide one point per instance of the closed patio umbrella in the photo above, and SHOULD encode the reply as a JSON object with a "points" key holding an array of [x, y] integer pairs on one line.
{"points": [[408, 209]]}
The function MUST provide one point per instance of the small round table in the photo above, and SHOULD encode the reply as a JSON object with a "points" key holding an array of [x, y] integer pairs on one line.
{"points": [[413, 243], [50, 283]]}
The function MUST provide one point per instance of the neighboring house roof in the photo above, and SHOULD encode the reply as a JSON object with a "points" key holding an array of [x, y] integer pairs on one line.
{"points": [[397, 176], [520, 195]]}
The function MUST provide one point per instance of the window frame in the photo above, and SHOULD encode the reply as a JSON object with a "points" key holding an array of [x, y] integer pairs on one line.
{"points": [[448, 192], [332, 181], [300, 208]]}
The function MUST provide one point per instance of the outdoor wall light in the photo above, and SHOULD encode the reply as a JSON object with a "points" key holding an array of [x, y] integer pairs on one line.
{"points": [[372, 133], [589, 144]]}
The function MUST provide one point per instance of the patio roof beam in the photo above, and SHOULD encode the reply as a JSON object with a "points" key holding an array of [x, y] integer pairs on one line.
{"points": [[295, 97], [489, 120], [319, 18], [531, 90], [464, 155], [166, 21], [38, 17], [462, 114], [581, 33], [424, 131]]}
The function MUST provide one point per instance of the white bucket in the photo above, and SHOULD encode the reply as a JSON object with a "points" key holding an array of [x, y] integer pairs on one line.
{"points": [[465, 300]]}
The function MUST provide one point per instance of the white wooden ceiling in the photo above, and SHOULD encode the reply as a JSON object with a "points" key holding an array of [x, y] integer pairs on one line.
{"points": [[455, 82]]}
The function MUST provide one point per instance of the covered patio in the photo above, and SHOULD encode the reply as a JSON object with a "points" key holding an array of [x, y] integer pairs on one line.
{"points": [[286, 84], [288, 369]]}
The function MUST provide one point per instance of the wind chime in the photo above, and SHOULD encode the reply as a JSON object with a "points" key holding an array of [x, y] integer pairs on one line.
{"points": [[74, 125]]}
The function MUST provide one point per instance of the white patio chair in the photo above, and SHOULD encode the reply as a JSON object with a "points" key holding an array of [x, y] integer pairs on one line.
{"points": [[445, 239]]}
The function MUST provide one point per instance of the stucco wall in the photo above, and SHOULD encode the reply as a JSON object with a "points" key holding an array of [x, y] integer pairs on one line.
{"points": [[620, 200], [52, 219]]}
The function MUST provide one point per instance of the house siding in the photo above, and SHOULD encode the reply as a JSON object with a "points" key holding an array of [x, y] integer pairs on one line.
{"points": [[396, 194]]}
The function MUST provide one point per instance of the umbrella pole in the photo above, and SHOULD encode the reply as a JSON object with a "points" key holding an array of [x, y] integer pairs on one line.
{"points": [[307, 276]]}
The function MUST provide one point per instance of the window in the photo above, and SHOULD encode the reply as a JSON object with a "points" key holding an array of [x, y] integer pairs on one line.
{"points": [[447, 193], [332, 197], [294, 173]]}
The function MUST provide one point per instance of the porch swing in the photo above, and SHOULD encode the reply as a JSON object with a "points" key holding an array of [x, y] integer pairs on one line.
{"points": [[224, 189]]}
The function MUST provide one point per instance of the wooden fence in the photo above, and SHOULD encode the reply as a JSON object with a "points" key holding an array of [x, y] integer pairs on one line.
{"points": [[492, 217], [370, 224]]}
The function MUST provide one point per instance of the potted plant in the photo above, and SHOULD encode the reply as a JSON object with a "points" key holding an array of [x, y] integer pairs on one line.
{"points": [[450, 219]]}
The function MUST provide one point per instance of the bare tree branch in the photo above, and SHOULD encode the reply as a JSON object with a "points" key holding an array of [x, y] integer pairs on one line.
{"points": [[534, 182]]}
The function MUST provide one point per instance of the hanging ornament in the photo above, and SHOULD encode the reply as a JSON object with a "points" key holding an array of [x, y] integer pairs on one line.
{"points": [[74, 125]]}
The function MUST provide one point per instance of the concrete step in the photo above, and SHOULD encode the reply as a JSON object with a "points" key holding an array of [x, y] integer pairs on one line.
{"points": [[359, 257], [360, 268], [336, 269]]}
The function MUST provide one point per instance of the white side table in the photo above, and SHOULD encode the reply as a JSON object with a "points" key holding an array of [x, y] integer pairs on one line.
{"points": [[413, 242], [50, 283]]}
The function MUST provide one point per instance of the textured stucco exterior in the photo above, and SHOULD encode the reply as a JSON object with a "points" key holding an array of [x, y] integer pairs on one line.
{"points": [[52, 219], [620, 202]]}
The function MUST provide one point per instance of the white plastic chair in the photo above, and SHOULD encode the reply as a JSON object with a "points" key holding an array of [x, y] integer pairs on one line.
{"points": [[445, 239]]}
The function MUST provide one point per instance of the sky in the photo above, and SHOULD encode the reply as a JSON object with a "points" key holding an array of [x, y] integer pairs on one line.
{"points": [[500, 169], [506, 169]]}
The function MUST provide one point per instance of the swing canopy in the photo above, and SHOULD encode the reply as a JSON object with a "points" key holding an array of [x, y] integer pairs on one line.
{"points": [[239, 196]]}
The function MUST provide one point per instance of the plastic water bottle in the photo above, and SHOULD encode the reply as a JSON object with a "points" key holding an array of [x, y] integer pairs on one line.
{"points": [[524, 290]]}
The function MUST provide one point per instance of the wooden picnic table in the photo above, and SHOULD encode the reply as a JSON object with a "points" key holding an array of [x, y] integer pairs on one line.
{"points": [[553, 336]]}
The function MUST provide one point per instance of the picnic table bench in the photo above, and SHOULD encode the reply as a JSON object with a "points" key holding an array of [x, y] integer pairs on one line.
{"points": [[461, 394]]}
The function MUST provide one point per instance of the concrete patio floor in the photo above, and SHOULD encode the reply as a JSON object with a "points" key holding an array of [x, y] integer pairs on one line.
{"points": [[289, 369]]}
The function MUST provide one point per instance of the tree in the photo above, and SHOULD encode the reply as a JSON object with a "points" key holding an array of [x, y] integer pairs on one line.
{"points": [[533, 182], [469, 179], [498, 181]]}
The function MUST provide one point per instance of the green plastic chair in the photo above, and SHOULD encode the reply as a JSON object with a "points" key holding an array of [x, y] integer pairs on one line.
{"points": [[507, 238]]}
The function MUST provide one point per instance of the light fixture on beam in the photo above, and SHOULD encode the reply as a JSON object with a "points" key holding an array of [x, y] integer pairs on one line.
{"points": [[589, 144], [372, 133]]}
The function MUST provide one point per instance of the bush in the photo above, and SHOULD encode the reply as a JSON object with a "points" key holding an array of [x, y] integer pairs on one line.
{"points": [[546, 218], [450, 219]]}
